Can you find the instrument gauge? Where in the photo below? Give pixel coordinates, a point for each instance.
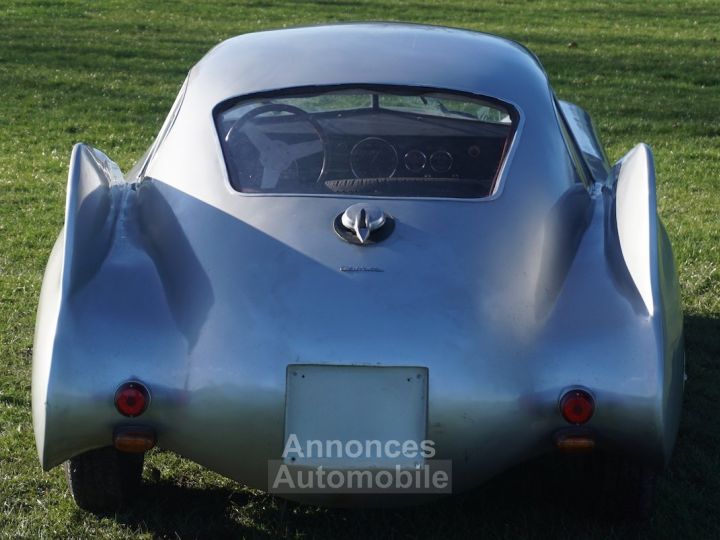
(415, 161)
(373, 157)
(441, 161)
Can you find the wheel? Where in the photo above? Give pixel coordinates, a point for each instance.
(105, 479)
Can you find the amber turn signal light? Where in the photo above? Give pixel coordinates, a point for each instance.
(131, 399)
(577, 406)
(134, 439)
(575, 443)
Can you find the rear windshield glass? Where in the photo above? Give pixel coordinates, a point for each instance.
(365, 142)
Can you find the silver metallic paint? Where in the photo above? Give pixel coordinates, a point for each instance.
(207, 295)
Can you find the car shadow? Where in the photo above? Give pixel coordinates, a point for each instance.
(168, 510)
(547, 491)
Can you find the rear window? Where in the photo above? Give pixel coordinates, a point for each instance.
(368, 142)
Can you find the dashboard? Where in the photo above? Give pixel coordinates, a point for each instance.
(372, 156)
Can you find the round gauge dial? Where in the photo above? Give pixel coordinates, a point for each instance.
(373, 158)
(415, 161)
(441, 161)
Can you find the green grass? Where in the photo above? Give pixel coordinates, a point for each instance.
(106, 73)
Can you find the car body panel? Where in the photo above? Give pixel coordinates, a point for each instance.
(207, 295)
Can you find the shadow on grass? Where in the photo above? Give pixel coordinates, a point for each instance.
(166, 509)
(543, 498)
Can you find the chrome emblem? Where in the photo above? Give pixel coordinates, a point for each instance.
(374, 269)
(363, 224)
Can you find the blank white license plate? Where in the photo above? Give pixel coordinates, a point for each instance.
(334, 412)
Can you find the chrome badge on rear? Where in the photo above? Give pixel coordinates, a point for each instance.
(363, 224)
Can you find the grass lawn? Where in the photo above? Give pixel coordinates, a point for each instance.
(107, 72)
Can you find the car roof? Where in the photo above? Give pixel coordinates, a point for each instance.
(370, 54)
(364, 54)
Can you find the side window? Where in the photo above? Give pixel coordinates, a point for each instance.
(581, 167)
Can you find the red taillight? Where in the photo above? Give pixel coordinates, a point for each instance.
(577, 406)
(131, 399)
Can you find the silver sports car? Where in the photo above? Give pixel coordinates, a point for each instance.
(380, 249)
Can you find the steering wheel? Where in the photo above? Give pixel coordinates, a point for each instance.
(274, 156)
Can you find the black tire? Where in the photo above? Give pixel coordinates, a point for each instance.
(104, 480)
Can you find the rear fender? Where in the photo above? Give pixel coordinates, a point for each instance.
(647, 256)
(95, 191)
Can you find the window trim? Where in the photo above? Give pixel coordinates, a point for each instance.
(576, 156)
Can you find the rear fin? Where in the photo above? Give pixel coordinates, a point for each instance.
(90, 214)
(637, 221)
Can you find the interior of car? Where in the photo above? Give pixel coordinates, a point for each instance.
(404, 143)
